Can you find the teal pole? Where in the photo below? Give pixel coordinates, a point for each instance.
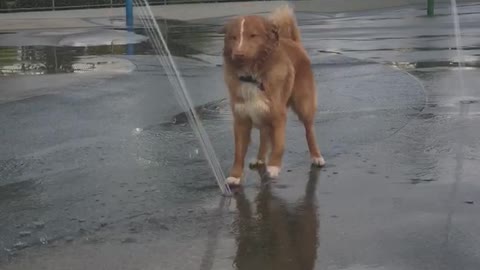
(129, 20)
(430, 8)
(129, 12)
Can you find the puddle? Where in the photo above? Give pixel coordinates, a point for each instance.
(434, 65)
(40, 60)
(470, 101)
(403, 39)
(213, 110)
(81, 50)
(153, 142)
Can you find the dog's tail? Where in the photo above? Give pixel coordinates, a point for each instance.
(284, 18)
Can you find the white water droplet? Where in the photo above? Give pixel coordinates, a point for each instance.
(137, 131)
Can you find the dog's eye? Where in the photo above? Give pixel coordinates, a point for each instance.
(233, 37)
(253, 35)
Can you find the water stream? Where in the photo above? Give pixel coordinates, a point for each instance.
(181, 93)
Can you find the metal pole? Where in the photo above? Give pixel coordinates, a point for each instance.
(430, 8)
(53, 4)
(56, 59)
(129, 21)
(129, 13)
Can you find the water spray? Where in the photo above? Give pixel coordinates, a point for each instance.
(180, 90)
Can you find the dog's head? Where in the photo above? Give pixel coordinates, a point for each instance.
(249, 39)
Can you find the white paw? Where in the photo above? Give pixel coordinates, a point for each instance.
(233, 181)
(318, 161)
(256, 162)
(273, 171)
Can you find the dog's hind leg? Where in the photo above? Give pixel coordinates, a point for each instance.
(303, 102)
(317, 158)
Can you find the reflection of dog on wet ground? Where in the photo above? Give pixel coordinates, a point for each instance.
(268, 70)
(277, 236)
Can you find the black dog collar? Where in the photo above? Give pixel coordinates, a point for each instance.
(250, 79)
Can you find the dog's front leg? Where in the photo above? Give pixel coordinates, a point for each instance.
(263, 148)
(278, 144)
(242, 128)
(279, 91)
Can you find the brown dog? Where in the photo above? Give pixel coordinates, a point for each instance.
(267, 70)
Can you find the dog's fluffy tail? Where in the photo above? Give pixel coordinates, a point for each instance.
(284, 18)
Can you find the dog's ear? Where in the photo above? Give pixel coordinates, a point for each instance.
(222, 29)
(272, 31)
(225, 28)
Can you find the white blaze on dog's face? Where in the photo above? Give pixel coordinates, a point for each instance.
(246, 38)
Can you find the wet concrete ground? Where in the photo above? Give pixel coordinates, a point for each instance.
(96, 175)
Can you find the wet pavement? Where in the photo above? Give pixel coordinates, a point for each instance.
(99, 169)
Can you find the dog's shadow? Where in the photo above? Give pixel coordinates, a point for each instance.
(271, 234)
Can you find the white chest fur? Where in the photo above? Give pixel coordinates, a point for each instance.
(254, 105)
